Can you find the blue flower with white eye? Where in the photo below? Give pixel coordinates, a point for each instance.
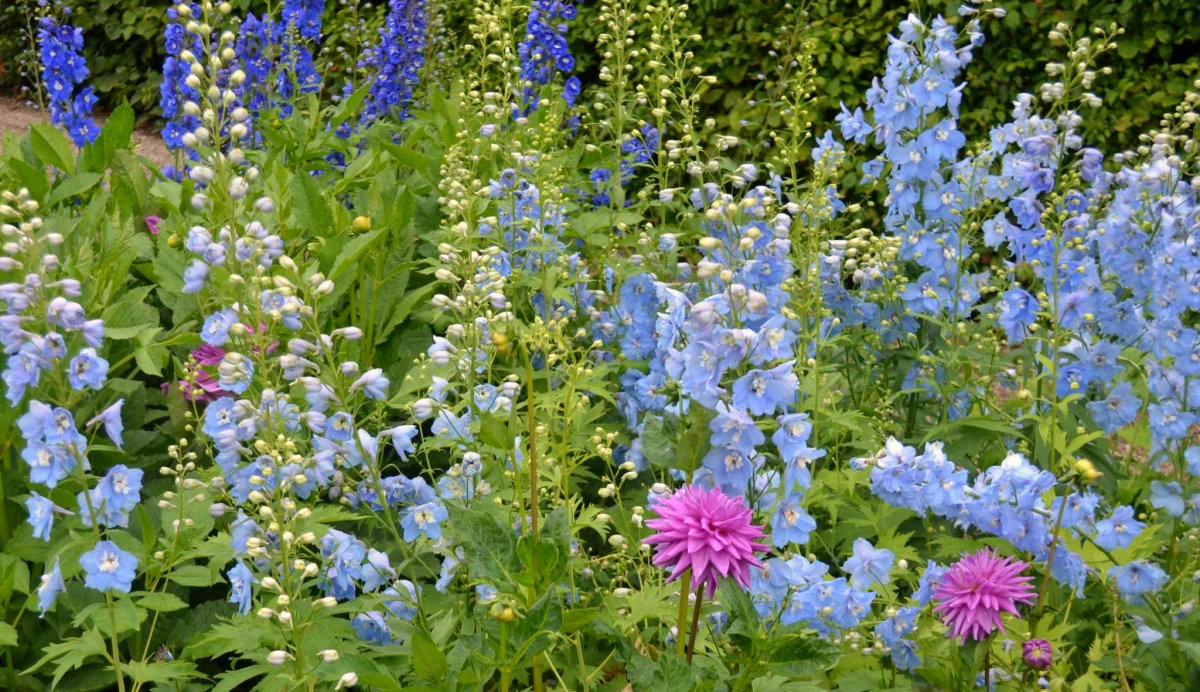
(1119, 530)
(732, 427)
(241, 587)
(790, 523)
(451, 427)
(1167, 497)
(1137, 578)
(219, 417)
(423, 520)
(730, 469)
(106, 567)
(868, 564)
(215, 331)
(52, 585)
(1168, 421)
(763, 392)
(111, 419)
(41, 515)
(121, 487)
(340, 427)
(1118, 409)
(48, 464)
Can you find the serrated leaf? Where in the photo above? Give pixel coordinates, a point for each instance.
(69, 654)
(160, 601)
(800, 656)
(353, 251)
(72, 187)
(193, 575)
(309, 205)
(52, 147)
(429, 663)
(489, 545)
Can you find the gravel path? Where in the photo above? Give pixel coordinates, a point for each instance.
(16, 116)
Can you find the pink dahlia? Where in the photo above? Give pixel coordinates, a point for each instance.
(1038, 654)
(707, 532)
(977, 589)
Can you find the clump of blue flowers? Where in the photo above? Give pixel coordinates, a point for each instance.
(64, 72)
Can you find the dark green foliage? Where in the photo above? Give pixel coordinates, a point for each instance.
(1157, 53)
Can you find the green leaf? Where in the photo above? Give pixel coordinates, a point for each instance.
(52, 147)
(745, 624)
(658, 440)
(72, 187)
(8, 635)
(241, 634)
(193, 575)
(800, 656)
(353, 251)
(428, 661)
(161, 671)
(309, 205)
(574, 620)
(71, 653)
(489, 544)
(164, 602)
(531, 634)
(493, 431)
(35, 179)
(235, 679)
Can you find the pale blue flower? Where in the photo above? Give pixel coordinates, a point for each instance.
(106, 567)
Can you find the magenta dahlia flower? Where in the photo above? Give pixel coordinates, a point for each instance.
(1038, 654)
(977, 589)
(708, 532)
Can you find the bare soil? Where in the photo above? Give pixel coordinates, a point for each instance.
(16, 116)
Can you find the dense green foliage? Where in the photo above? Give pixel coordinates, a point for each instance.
(1158, 53)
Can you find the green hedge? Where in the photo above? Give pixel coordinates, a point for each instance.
(1152, 68)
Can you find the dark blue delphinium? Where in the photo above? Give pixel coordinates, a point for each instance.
(64, 69)
(544, 51)
(397, 60)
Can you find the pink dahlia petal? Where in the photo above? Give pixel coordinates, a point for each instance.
(977, 589)
(707, 531)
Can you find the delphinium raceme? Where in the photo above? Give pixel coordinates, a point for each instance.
(295, 422)
(64, 71)
(296, 73)
(544, 52)
(211, 122)
(395, 62)
(176, 90)
(54, 365)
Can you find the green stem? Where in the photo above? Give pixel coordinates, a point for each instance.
(685, 585)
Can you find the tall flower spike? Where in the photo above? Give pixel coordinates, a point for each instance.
(397, 60)
(708, 532)
(977, 589)
(63, 69)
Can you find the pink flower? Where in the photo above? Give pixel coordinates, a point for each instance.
(977, 589)
(152, 223)
(208, 355)
(707, 532)
(1038, 654)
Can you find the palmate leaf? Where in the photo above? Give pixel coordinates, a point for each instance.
(69, 654)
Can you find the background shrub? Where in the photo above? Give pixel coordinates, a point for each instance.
(1158, 52)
